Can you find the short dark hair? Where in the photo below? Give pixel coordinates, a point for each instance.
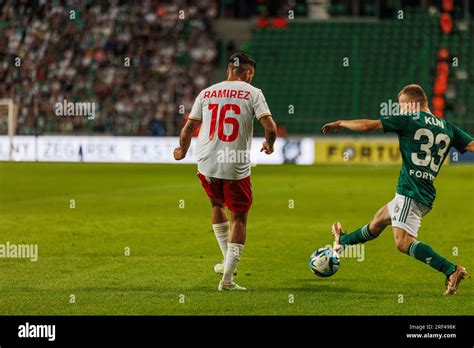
(241, 61)
(415, 93)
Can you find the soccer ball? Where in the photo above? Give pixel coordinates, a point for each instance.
(324, 262)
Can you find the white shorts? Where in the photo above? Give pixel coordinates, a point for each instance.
(406, 213)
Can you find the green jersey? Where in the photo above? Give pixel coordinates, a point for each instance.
(425, 141)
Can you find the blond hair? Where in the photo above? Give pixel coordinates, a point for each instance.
(414, 93)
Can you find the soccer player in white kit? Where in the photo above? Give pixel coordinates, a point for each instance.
(225, 112)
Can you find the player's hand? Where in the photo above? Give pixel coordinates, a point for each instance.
(179, 153)
(266, 148)
(336, 126)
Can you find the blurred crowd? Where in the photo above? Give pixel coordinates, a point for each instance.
(141, 62)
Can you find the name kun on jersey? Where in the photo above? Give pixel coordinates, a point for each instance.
(227, 93)
(434, 121)
(37, 331)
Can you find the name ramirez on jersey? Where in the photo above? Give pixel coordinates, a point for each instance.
(227, 93)
(226, 111)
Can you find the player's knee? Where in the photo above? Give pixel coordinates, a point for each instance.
(217, 203)
(239, 217)
(402, 244)
(380, 221)
(376, 228)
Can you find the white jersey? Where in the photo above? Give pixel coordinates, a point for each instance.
(226, 110)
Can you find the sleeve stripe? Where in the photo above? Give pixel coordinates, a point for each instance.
(262, 115)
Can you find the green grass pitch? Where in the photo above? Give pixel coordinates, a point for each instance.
(173, 250)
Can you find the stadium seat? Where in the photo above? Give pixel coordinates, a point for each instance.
(306, 62)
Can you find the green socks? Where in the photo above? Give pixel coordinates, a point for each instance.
(418, 250)
(426, 254)
(360, 235)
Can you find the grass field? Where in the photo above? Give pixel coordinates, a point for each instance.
(173, 249)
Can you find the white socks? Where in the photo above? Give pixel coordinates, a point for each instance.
(230, 251)
(222, 235)
(232, 258)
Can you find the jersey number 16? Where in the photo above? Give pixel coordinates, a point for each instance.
(223, 120)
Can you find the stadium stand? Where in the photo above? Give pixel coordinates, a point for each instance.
(84, 59)
(301, 68)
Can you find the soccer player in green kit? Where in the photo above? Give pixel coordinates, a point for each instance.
(425, 141)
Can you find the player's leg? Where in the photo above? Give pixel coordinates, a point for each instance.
(406, 223)
(423, 252)
(395, 209)
(239, 227)
(220, 224)
(221, 228)
(238, 196)
(402, 239)
(219, 220)
(363, 234)
(235, 248)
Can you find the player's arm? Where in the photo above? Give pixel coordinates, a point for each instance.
(470, 146)
(462, 140)
(270, 133)
(185, 138)
(353, 125)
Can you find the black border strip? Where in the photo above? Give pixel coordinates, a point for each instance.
(242, 329)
